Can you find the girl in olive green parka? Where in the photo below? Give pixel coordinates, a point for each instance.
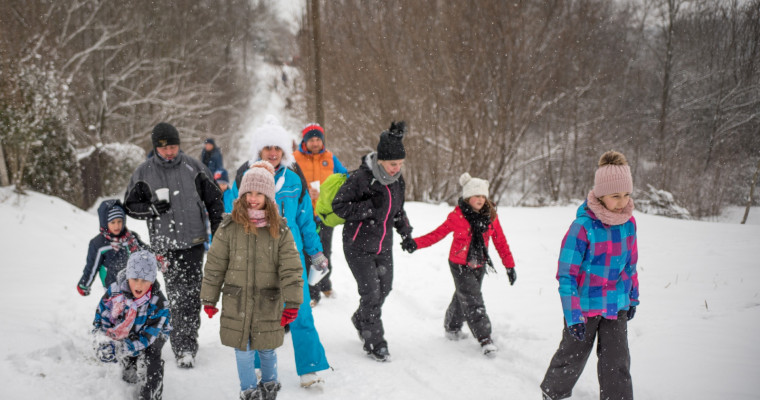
(253, 262)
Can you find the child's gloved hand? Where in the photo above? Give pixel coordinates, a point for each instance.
(578, 331)
(210, 310)
(319, 261)
(288, 315)
(631, 312)
(512, 275)
(408, 244)
(106, 352)
(83, 290)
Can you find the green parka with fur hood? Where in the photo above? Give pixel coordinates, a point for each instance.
(258, 276)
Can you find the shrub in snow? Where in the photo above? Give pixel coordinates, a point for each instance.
(660, 202)
(106, 170)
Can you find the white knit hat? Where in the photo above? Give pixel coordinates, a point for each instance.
(272, 133)
(473, 186)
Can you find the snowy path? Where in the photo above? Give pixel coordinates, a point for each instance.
(694, 336)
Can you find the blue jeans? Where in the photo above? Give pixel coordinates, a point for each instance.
(247, 370)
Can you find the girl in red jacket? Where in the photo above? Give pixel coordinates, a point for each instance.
(473, 222)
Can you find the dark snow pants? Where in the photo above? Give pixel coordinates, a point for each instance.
(183, 287)
(147, 369)
(613, 367)
(467, 303)
(374, 280)
(325, 236)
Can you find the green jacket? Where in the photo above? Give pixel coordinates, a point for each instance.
(327, 191)
(256, 275)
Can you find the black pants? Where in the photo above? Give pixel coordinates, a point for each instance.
(374, 280)
(183, 287)
(467, 303)
(324, 285)
(147, 369)
(613, 367)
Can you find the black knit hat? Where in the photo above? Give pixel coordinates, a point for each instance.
(164, 134)
(391, 146)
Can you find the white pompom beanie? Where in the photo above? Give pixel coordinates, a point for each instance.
(473, 186)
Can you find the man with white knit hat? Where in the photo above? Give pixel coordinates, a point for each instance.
(271, 142)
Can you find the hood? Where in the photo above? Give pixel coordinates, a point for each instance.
(272, 134)
(106, 206)
(585, 211)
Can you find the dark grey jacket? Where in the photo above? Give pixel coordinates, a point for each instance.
(192, 192)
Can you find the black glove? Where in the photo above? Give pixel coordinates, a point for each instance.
(408, 244)
(578, 331)
(512, 275)
(631, 312)
(161, 206)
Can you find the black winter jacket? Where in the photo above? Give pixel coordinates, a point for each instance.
(100, 252)
(371, 209)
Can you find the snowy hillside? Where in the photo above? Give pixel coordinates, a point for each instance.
(694, 336)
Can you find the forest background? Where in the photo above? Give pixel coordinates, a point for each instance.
(526, 94)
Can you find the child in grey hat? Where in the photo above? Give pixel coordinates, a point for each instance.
(132, 324)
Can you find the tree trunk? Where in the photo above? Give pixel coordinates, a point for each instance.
(4, 180)
(751, 192)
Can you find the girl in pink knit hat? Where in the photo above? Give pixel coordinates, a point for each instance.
(253, 264)
(598, 286)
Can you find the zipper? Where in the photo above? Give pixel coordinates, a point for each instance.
(385, 222)
(357, 231)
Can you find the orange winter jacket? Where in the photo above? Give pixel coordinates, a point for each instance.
(317, 167)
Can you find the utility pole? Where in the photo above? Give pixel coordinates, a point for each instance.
(319, 107)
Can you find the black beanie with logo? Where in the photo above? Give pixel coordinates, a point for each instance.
(164, 134)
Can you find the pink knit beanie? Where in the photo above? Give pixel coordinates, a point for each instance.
(258, 178)
(613, 175)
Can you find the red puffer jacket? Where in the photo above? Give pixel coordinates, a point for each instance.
(457, 223)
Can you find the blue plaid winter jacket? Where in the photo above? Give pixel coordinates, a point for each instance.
(597, 268)
(152, 321)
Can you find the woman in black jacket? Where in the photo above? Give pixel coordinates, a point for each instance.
(372, 202)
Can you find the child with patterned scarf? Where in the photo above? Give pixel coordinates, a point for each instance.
(132, 325)
(110, 249)
(474, 221)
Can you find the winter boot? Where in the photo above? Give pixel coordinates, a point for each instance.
(310, 380)
(379, 353)
(455, 335)
(186, 361)
(489, 349)
(269, 390)
(251, 394)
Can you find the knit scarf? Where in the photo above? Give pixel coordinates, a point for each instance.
(477, 255)
(378, 171)
(258, 217)
(124, 313)
(606, 216)
(126, 240)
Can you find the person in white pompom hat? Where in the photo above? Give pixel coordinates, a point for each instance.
(474, 221)
(273, 143)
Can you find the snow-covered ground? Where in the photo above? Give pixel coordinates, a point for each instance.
(694, 336)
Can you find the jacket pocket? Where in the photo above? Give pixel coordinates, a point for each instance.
(232, 301)
(270, 304)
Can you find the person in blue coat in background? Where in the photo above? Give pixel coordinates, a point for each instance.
(223, 181)
(272, 143)
(211, 156)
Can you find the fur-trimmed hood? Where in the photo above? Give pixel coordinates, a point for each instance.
(272, 133)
